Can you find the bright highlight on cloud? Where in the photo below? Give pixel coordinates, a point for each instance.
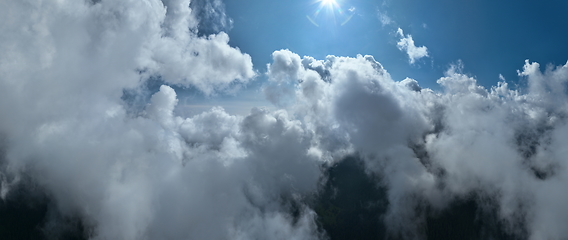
(406, 44)
(124, 173)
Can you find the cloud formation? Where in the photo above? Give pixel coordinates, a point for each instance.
(151, 174)
(406, 44)
(434, 148)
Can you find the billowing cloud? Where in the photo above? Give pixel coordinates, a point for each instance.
(406, 44)
(152, 175)
(66, 131)
(435, 148)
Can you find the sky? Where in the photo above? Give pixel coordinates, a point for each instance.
(211, 119)
(490, 38)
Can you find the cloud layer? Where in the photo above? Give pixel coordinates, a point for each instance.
(64, 66)
(434, 148)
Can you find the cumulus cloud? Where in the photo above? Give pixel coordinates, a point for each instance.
(406, 44)
(64, 67)
(434, 148)
(153, 175)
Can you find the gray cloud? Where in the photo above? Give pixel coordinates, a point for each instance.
(211, 15)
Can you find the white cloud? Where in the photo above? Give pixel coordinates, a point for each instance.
(406, 44)
(157, 175)
(384, 18)
(63, 68)
(486, 142)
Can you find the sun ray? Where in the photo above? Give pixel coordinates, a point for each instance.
(332, 11)
(328, 2)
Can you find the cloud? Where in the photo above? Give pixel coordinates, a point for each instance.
(406, 44)
(64, 68)
(152, 174)
(435, 148)
(384, 18)
(211, 15)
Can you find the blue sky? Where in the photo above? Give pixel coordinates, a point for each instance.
(489, 37)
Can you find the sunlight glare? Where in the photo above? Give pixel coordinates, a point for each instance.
(328, 2)
(332, 13)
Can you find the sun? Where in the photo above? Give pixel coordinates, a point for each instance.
(328, 2)
(332, 13)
